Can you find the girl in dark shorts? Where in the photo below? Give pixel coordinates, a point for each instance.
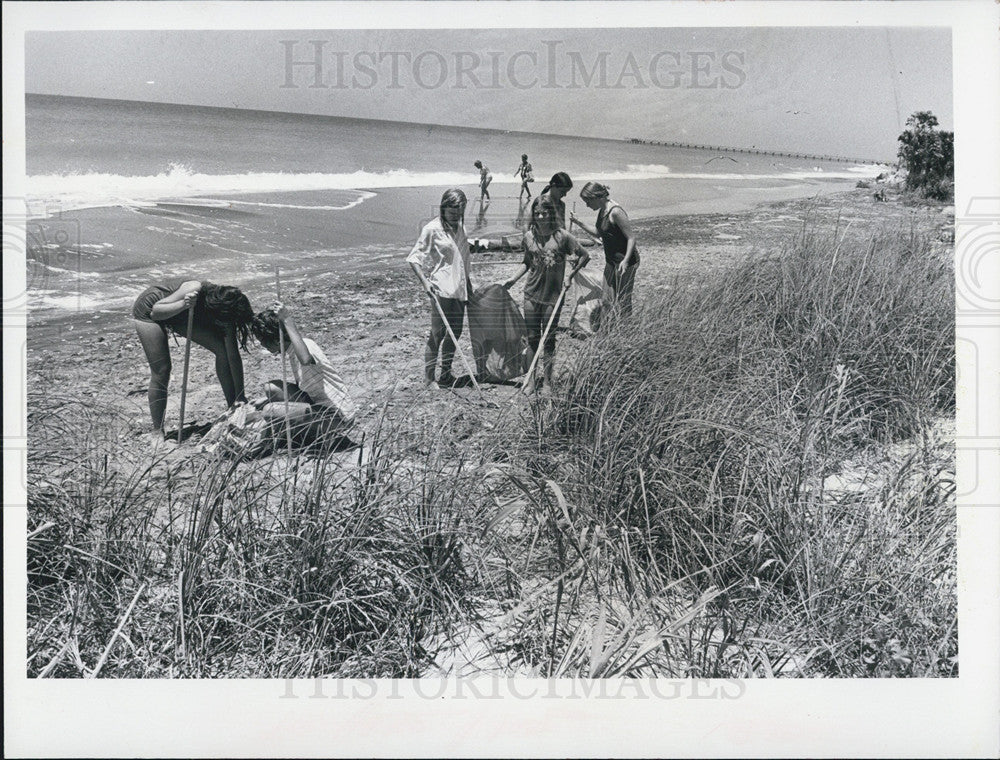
(222, 319)
(546, 248)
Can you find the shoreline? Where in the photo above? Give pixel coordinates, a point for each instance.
(372, 324)
(87, 419)
(114, 251)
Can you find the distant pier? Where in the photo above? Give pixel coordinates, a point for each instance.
(758, 152)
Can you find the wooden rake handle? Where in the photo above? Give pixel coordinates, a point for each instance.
(187, 367)
(447, 326)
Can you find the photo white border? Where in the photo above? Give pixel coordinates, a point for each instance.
(932, 718)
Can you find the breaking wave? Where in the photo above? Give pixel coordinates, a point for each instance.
(180, 185)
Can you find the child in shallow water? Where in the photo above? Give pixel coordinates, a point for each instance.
(484, 180)
(525, 173)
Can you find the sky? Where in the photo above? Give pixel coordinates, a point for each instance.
(833, 91)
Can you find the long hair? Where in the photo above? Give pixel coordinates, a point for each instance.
(453, 198)
(226, 305)
(267, 327)
(559, 179)
(595, 191)
(543, 205)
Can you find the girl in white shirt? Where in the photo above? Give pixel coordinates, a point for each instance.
(317, 403)
(441, 257)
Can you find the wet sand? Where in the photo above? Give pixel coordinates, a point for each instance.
(372, 323)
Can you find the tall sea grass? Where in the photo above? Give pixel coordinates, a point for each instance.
(705, 431)
(752, 477)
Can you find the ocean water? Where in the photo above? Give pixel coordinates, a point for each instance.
(121, 193)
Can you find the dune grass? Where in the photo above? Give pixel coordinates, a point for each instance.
(705, 434)
(751, 478)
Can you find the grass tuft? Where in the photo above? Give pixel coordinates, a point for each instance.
(751, 478)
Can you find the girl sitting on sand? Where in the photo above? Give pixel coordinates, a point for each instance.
(440, 257)
(318, 403)
(620, 253)
(524, 172)
(484, 180)
(546, 248)
(222, 317)
(558, 187)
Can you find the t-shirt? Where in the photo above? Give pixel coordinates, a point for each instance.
(443, 257)
(321, 382)
(546, 264)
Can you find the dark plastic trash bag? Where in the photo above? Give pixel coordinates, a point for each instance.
(499, 336)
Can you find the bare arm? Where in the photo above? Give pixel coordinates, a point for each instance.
(571, 247)
(421, 276)
(510, 283)
(582, 257)
(235, 362)
(621, 219)
(298, 345)
(592, 231)
(177, 302)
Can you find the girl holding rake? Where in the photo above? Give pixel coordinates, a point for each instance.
(440, 257)
(620, 253)
(221, 323)
(546, 248)
(317, 404)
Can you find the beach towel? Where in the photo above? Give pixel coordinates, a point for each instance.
(584, 298)
(240, 433)
(499, 336)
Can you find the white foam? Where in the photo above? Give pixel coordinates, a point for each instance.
(34, 264)
(653, 169)
(46, 300)
(181, 186)
(362, 197)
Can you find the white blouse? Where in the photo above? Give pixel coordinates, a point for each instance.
(443, 257)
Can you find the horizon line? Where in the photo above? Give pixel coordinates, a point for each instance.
(647, 141)
(324, 116)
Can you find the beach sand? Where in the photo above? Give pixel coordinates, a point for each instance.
(372, 323)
